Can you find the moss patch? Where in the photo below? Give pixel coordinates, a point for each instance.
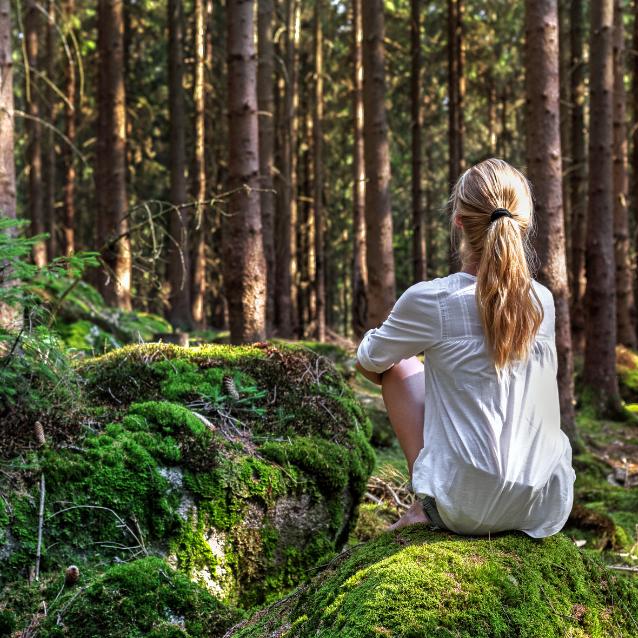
(143, 598)
(423, 583)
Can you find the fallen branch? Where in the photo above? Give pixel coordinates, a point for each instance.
(38, 551)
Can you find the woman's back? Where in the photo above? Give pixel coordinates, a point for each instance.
(494, 456)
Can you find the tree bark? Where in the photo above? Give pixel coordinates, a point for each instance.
(266, 101)
(563, 57)
(634, 135)
(198, 284)
(599, 374)
(244, 261)
(380, 257)
(625, 311)
(418, 229)
(110, 170)
(286, 222)
(545, 172)
(10, 316)
(68, 198)
(32, 23)
(179, 273)
(455, 104)
(578, 175)
(359, 265)
(49, 212)
(317, 129)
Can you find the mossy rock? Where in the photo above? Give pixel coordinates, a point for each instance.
(417, 583)
(145, 597)
(242, 466)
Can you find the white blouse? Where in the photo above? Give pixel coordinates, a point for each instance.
(494, 457)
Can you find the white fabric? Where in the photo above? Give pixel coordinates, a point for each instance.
(494, 456)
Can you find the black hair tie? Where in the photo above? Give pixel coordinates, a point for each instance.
(500, 212)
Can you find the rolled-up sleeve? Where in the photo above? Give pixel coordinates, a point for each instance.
(412, 326)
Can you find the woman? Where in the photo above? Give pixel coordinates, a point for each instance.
(479, 422)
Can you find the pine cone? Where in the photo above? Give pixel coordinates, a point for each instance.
(71, 575)
(230, 387)
(39, 434)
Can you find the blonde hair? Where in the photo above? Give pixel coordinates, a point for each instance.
(501, 249)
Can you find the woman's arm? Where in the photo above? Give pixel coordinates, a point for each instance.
(375, 377)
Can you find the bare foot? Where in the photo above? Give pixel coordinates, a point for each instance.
(414, 515)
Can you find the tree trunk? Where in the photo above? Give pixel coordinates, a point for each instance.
(10, 316)
(634, 135)
(599, 374)
(179, 272)
(380, 258)
(50, 173)
(359, 265)
(563, 57)
(198, 284)
(243, 250)
(32, 22)
(578, 175)
(286, 222)
(625, 311)
(545, 173)
(418, 228)
(266, 100)
(320, 287)
(455, 104)
(68, 215)
(110, 170)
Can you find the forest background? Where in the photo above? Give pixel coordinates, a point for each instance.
(274, 173)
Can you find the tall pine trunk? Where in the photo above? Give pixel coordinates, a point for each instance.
(243, 251)
(10, 316)
(202, 210)
(545, 172)
(625, 317)
(179, 273)
(455, 103)
(634, 129)
(319, 274)
(599, 373)
(32, 24)
(419, 268)
(266, 101)
(49, 212)
(359, 265)
(286, 220)
(578, 175)
(68, 197)
(110, 169)
(379, 254)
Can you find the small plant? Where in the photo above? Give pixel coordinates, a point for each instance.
(34, 369)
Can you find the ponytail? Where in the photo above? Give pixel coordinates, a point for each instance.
(510, 310)
(509, 307)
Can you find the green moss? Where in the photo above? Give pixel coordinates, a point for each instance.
(423, 583)
(202, 455)
(328, 462)
(143, 598)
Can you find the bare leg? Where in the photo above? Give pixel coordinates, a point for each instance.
(403, 391)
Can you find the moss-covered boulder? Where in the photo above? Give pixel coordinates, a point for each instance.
(417, 583)
(242, 466)
(144, 597)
